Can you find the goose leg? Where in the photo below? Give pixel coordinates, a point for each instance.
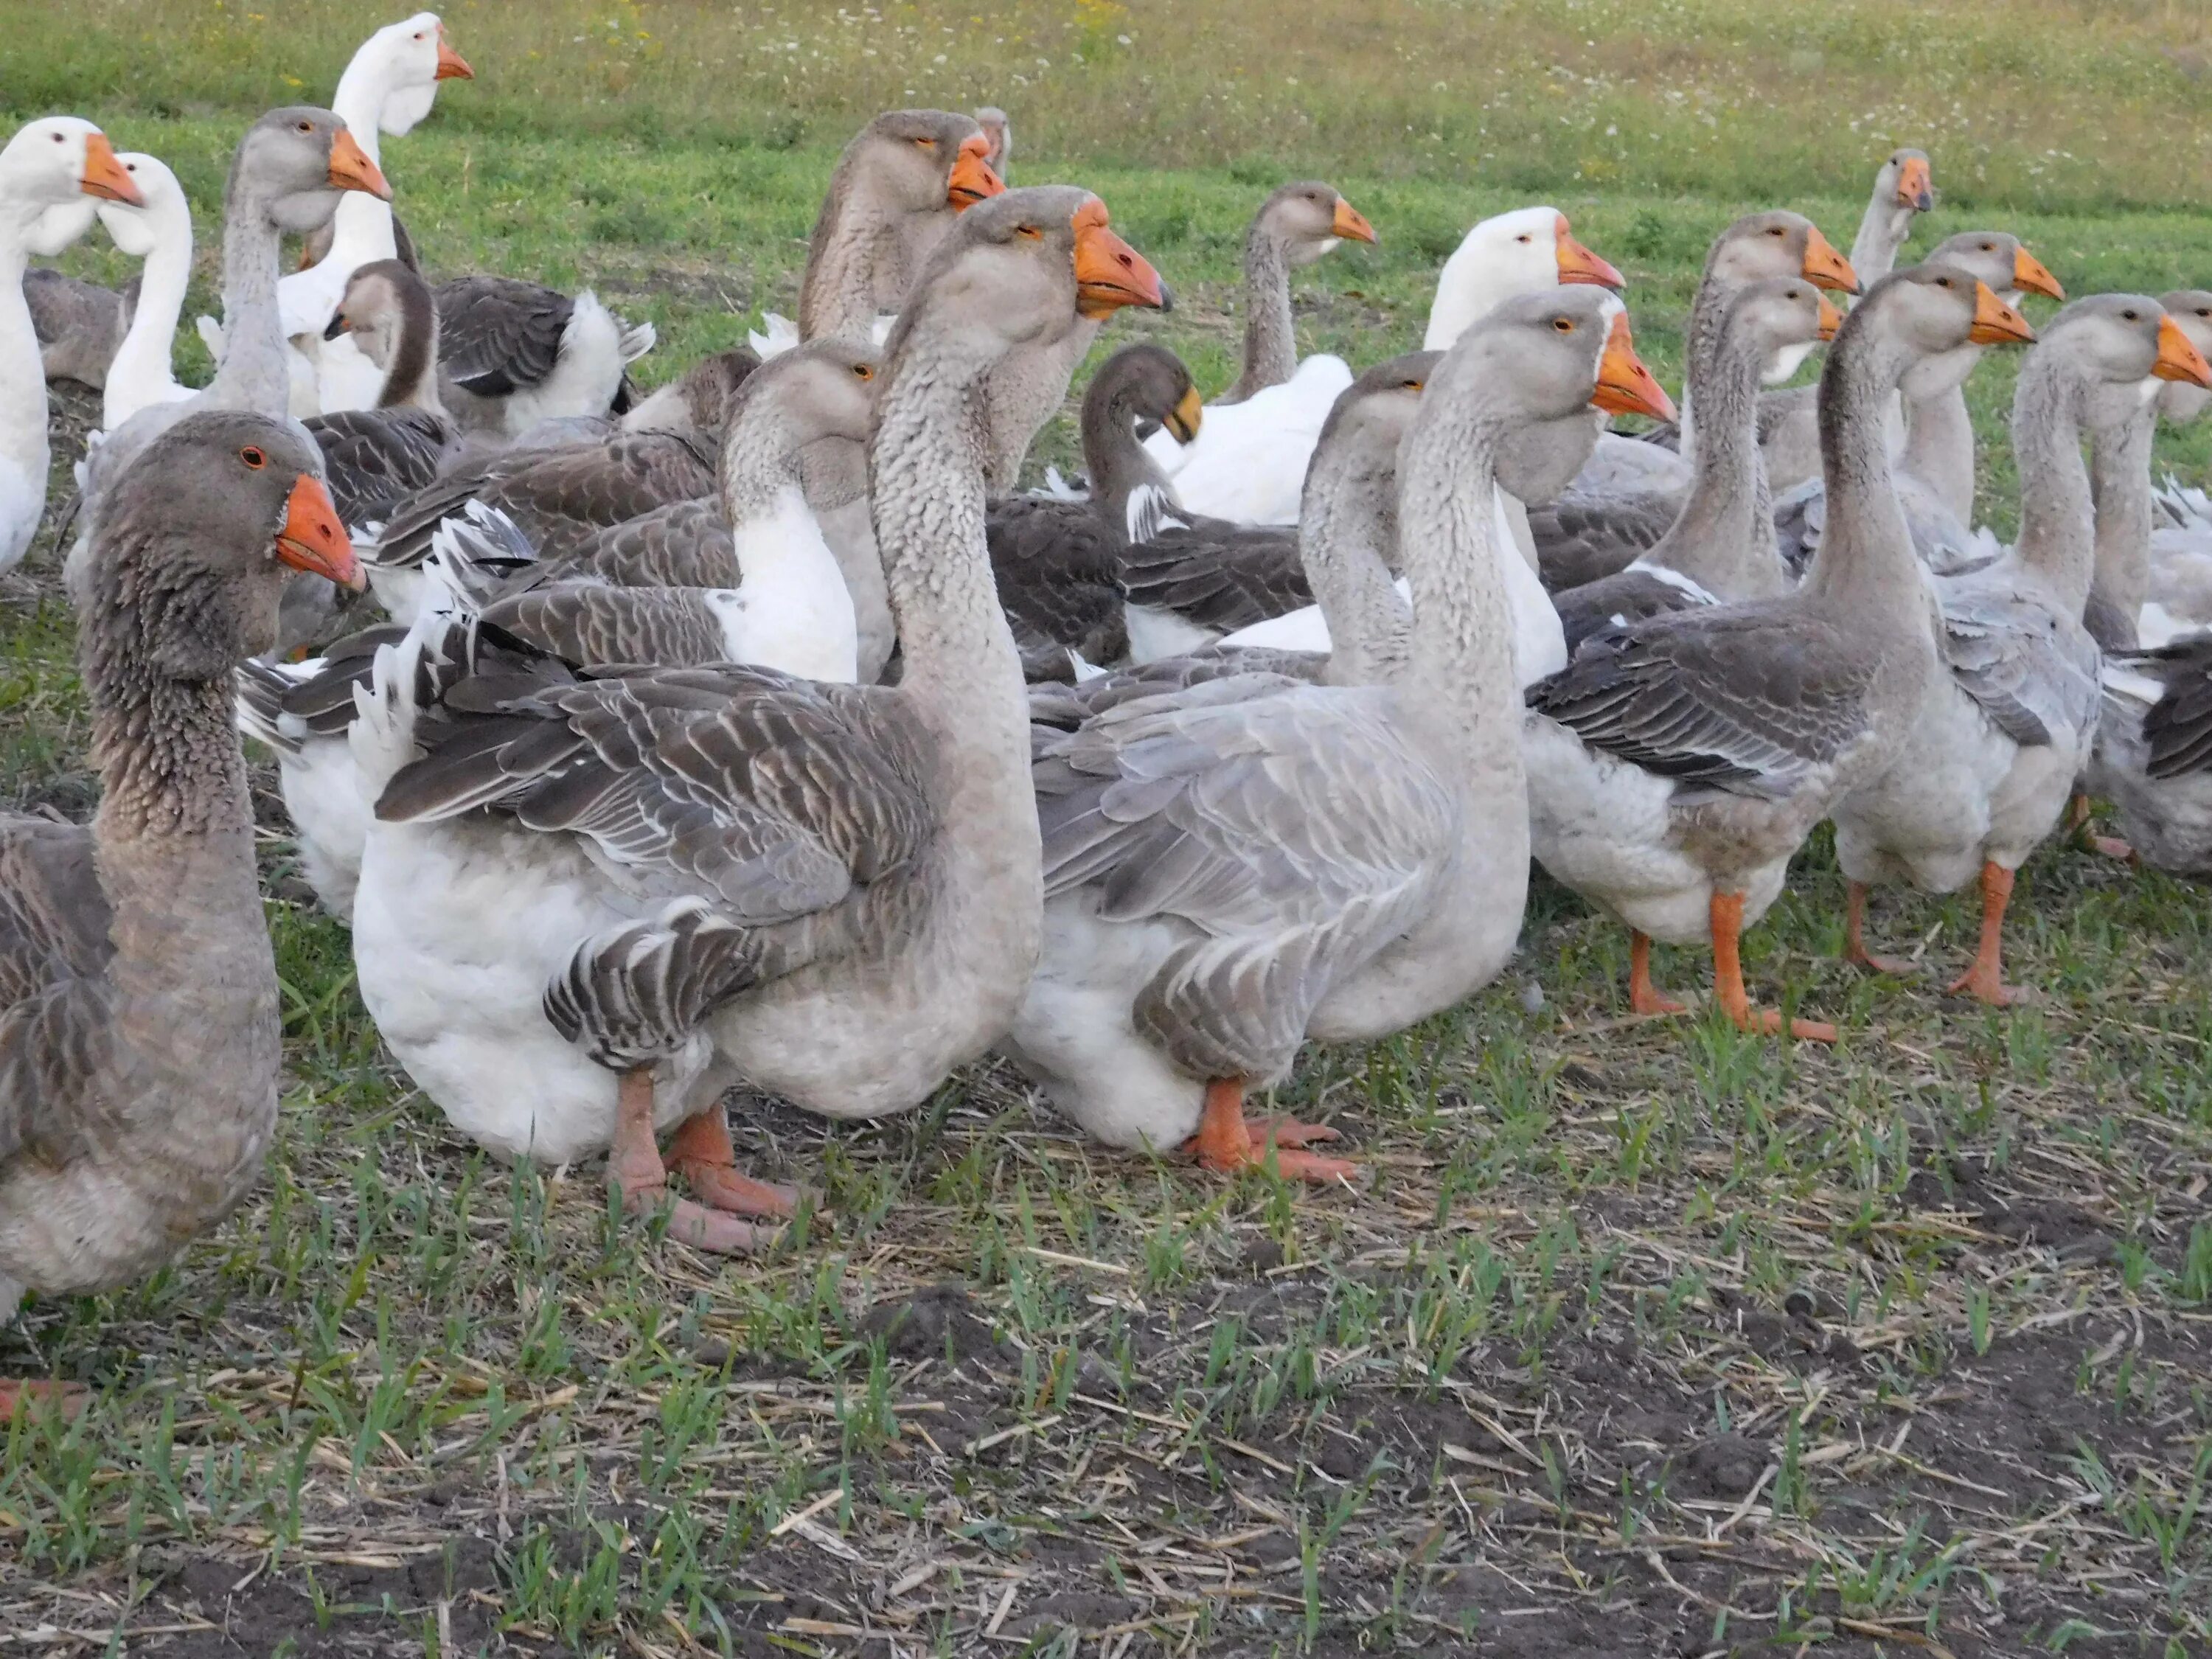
(1855, 949)
(634, 1166)
(1727, 916)
(24, 1398)
(1985, 979)
(1224, 1141)
(2110, 846)
(1644, 997)
(702, 1153)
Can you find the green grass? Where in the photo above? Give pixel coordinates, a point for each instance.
(1647, 1338)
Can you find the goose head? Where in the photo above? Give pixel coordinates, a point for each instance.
(2128, 340)
(824, 389)
(1998, 259)
(2191, 311)
(1932, 308)
(397, 69)
(1561, 359)
(135, 228)
(1307, 219)
(1528, 251)
(923, 160)
(297, 161)
(1784, 313)
(54, 173)
(997, 136)
(1148, 386)
(1905, 181)
(381, 298)
(1760, 246)
(201, 534)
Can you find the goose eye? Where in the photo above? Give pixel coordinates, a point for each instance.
(306, 126)
(1524, 237)
(1565, 324)
(925, 143)
(2130, 316)
(254, 457)
(1942, 282)
(1029, 231)
(59, 139)
(1412, 386)
(863, 371)
(418, 34)
(1774, 230)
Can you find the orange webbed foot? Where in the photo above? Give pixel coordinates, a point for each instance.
(1225, 1143)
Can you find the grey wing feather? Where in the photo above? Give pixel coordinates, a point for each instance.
(1219, 575)
(1058, 566)
(1288, 823)
(592, 624)
(54, 948)
(1721, 698)
(2034, 675)
(375, 457)
(1581, 538)
(497, 335)
(2179, 727)
(686, 543)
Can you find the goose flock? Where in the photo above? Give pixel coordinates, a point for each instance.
(759, 731)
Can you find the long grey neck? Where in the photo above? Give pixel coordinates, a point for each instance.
(852, 248)
(1461, 665)
(1119, 464)
(193, 985)
(411, 380)
(1939, 447)
(2058, 539)
(1348, 539)
(2119, 485)
(1866, 570)
(1271, 347)
(1723, 538)
(760, 459)
(1882, 230)
(251, 374)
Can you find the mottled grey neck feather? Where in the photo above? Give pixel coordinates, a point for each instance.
(854, 262)
(1119, 464)
(192, 992)
(253, 374)
(759, 459)
(1271, 347)
(2056, 518)
(411, 379)
(1348, 540)
(1866, 568)
(1461, 655)
(2119, 484)
(1723, 538)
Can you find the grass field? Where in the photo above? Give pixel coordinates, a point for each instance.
(1645, 1339)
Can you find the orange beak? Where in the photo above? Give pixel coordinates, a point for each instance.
(1110, 273)
(972, 179)
(1831, 319)
(1996, 323)
(1825, 268)
(352, 169)
(1351, 223)
(105, 176)
(1578, 265)
(1915, 184)
(452, 66)
(314, 540)
(2031, 276)
(2178, 358)
(1624, 386)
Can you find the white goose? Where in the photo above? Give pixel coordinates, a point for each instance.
(49, 163)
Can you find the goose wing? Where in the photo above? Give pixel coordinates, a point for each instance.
(1058, 565)
(1582, 537)
(497, 335)
(686, 543)
(2178, 726)
(1220, 576)
(2033, 673)
(761, 801)
(1290, 824)
(1748, 699)
(376, 457)
(54, 1012)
